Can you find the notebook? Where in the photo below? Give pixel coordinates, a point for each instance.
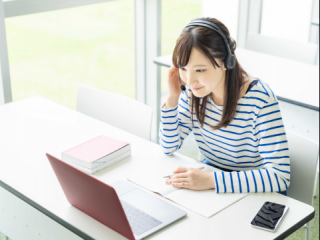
(96, 152)
(102, 166)
(148, 172)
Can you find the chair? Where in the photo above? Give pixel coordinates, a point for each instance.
(302, 121)
(117, 110)
(303, 166)
(298, 51)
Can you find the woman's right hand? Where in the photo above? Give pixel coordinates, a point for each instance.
(173, 83)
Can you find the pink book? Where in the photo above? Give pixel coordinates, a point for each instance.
(96, 151)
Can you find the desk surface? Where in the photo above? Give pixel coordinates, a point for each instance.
(29, 128)
(291, 81)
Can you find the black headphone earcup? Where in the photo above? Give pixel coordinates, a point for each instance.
(230, 62)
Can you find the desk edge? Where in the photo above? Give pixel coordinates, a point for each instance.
(298, 103)
(297, 226)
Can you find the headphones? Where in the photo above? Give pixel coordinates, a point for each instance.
(230, 60)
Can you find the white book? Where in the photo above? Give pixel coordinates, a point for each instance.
(149, 172)
(102, 166)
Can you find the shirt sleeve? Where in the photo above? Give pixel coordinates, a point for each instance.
(175, 124)
(274, 172)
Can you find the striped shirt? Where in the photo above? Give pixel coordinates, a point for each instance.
(254, 145)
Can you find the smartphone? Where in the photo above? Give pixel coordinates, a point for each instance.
(269, 216)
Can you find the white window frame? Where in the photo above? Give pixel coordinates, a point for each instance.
(148, 47)
(14, 8)
(5, 84)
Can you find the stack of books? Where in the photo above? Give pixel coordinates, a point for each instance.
(97, 154)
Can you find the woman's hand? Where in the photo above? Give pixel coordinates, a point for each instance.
(192, 178)
(174, 89)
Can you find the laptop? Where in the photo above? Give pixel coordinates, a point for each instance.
(121, 206)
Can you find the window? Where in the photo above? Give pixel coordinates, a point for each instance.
(175, 16)
(51, 53)
(289, 19)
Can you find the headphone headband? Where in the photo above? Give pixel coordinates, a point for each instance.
(230, 60)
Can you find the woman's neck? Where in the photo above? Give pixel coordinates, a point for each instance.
(219, 94)
(218, 100)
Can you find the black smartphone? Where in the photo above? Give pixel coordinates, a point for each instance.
(269, 216)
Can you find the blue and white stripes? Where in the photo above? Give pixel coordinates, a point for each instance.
(254, 143)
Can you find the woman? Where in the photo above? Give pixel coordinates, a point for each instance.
(235, 118)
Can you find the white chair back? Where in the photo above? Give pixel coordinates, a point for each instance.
(299, 51)
(117, 110)
(302, 121)
(303, 166)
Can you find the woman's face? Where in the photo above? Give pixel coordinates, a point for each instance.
(201, 76)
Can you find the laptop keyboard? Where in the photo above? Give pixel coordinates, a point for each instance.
(140, 222)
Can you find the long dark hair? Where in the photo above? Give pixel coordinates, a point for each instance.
(211, 44)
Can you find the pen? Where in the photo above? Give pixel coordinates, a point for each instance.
(174, 174)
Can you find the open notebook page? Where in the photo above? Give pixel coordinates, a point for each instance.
(149, 173)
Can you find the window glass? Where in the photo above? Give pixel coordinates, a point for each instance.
(52, 53)
(289, 19)
(175, 16)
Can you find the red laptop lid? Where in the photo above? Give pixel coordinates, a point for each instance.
(92, 197)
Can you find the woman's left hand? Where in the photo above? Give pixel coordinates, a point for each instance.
(192, 178)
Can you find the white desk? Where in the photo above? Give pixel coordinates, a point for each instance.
(33, 205)
(291, 81)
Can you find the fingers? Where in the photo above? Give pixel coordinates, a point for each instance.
(172, 66)
(177, 180)
(180, 175)
(173, 72)
(181, 185)
(182, 170)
